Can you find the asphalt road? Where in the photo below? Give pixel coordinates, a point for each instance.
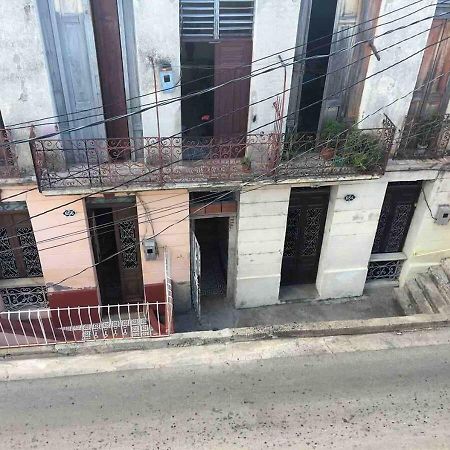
(389, 399)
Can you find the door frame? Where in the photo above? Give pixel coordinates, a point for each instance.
(116, 203)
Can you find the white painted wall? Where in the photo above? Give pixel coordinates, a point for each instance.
(348, 238)
(25, 91)
(399, 80)
(275, 29)
(427, 243)
(261, 231)
(158, 37)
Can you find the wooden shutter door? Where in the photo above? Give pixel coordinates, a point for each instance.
(432, 98)
(346, 16)
(230, 55)
(77, 61)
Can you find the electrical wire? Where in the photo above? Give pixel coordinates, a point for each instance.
(267, 98)
(263, 58)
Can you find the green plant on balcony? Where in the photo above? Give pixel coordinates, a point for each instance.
(331, 138)
(424, 131)
(246, 164)
(361, 151)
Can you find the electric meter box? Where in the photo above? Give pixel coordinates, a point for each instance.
(166, 77)
(150, 249)
(443, 215)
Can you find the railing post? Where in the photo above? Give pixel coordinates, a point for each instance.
(36, 161)
(389, 130)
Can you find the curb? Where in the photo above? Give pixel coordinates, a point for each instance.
(229, 335)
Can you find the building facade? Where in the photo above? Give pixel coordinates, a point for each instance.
(196, 129)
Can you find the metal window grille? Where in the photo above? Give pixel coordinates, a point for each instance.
(215, 19)
(19, 298)
(384, 270)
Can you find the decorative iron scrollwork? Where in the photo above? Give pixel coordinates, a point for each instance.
(127, 233)
(16, 299)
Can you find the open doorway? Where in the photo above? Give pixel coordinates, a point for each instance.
(115, 238)
(197, 59)
(212, 237)
(321, 26)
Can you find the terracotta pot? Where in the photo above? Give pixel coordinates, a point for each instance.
(327, 153)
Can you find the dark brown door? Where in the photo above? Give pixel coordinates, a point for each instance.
(127, 238)
(109, 56)
(231, 101)
(396, 215)
(304, 233)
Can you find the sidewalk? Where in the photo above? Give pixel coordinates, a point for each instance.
(217, 314)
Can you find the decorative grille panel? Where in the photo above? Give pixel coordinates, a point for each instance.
(8, 264)
(127, 234)
(29, 251)
(16, 299)
(215, 19)
(384, 270)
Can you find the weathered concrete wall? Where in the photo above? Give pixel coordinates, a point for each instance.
(261, 231)
(427, 243)
(275, 28)
(165, 208)
(348, 238)
(25, 90)
(401, 79)
(158, 37)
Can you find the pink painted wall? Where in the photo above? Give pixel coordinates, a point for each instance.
(165, 208)
(64, 260)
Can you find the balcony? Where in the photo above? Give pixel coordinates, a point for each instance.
(104, 163)
(8, 161)
(424, 139)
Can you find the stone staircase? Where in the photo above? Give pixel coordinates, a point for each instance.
(428, 293)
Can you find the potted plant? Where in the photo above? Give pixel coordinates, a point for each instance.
(331, 136)
(246, 164)
(362, 151)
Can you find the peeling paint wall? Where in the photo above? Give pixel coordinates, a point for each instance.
(275, 28)
(25, 91)
(158, 37)
(397, 81)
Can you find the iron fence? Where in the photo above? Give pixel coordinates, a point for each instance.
(85, 323)
(425, 139)
(8, 160)
(62, 163)
(384, 270)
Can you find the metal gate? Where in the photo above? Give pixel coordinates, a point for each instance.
(195, 276)
(304, 232)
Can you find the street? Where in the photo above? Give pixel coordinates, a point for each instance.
(391, 398)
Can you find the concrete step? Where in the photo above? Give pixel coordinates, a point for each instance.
(408, 307)
(432, 294)
(441, 281)
(446, 266)
(417, 296)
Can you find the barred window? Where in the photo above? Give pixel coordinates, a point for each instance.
(19, 257)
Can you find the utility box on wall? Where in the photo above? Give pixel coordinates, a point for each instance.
(443, 215)
(166, 77)
(150, 249)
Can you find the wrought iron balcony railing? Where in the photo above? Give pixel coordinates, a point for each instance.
(425, 139)
(8, 162)
(90, 163)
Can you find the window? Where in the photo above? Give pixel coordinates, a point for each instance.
(216, 18)
(19, 257)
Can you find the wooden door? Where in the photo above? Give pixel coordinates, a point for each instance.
(396, 215)
(231, 101)
(72, 50)
(432, 98)
(109, 56)
(304, 233)
(127, 241)
(346, 17)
